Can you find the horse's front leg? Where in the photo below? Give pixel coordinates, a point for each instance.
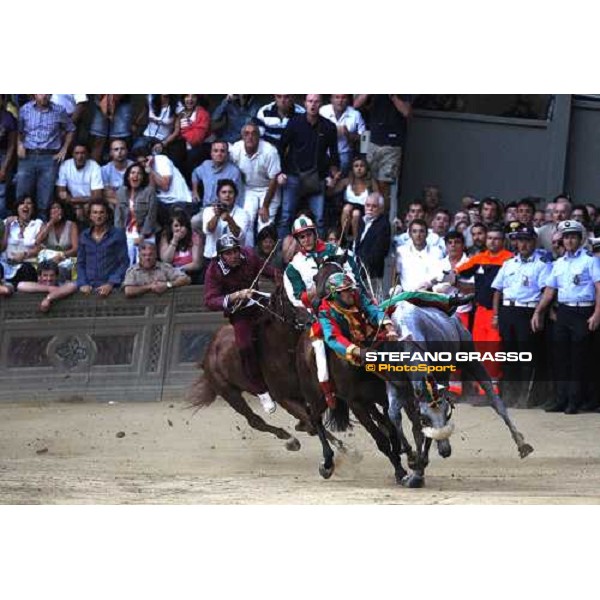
(395, 414)
(327, 467)
(478, 372)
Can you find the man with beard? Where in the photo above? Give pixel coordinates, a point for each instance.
(102, 257)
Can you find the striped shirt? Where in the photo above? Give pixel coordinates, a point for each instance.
(271, 124)
(42, 128)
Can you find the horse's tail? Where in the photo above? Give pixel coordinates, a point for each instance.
(338, 418)
(201, 393)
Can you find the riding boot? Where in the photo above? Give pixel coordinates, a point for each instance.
(328, 392)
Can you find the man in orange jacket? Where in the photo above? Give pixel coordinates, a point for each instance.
(485, 266)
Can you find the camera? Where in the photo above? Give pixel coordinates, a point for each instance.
(221, 207)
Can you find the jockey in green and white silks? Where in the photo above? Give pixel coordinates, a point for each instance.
(299, 285)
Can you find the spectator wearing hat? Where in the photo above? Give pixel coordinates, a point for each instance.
(575, 281)
(150, 274)
(485, 266)
(518, 289)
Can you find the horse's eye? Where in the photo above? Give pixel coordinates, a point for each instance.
(425, 421)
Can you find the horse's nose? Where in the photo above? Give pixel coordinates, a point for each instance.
(444, 448)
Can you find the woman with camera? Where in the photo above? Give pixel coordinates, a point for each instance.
(224, 217)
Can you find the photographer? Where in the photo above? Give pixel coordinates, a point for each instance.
(224, 217)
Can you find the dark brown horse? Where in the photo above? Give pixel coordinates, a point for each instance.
(360, 391)
(222, 374)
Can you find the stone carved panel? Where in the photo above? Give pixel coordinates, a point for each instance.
(113, 349)
(28, 351)
(71, 352)
(156, 336)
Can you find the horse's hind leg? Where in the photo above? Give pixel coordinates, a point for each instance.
(327, 467)
(478, 372)
(395, 416)
(385, 424)
(234, 398)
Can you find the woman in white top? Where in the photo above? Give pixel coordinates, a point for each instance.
(136, 208)
(162, 126)
(19, 248)
(356, 187)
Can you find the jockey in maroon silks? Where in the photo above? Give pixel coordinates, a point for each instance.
(228, 286)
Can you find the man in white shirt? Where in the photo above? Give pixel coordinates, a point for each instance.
(224, 217)
(79, 181)
(350, 126)
(171, 189)
(113, 172)
(416, 210)
(259, 163)
(418, 266)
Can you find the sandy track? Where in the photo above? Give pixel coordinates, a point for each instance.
(69, 453)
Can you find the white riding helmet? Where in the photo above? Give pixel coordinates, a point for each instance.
(302, 224)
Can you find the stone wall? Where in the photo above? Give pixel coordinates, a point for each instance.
(119, 349)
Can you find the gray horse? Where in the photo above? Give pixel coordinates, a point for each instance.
(430, 416)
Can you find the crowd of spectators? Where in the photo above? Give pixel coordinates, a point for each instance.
(142, 201)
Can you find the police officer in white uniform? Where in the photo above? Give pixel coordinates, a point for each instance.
(575, 279)
(518, 289)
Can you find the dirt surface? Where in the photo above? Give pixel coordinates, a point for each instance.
(160, 453)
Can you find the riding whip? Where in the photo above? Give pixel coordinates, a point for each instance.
(239, 302)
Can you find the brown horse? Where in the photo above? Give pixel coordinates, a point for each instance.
(360, 391)
(222, 374)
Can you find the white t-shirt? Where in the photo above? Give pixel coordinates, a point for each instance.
(241, 218)
(159, 126)
(454, 290)
(178, 190)
(417, 266)
(16, 243)
(351, 118)
(111, 176)
(259, 168)
(68, 101)
(80, 182)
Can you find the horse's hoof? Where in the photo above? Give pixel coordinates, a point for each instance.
(293, 445)
(413, 481)
(324, 472)
(525, 450)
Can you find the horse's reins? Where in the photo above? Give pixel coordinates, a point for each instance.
(251, 288)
